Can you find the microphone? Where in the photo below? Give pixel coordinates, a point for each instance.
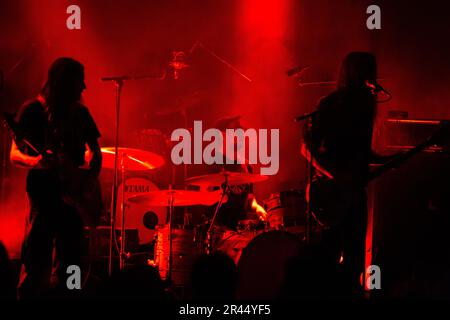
(297, 70)
(379, 88)
(306, 116)
(178, 63)
(376, 87)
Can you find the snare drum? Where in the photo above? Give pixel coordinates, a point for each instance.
(233, 243)
(249, 225)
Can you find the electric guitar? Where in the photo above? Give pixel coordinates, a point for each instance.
(325, 192)
(80, 188)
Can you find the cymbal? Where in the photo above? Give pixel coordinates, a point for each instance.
(135, 159)
(232, 178)
(180, 198)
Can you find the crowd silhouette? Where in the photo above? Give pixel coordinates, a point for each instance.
(311, 274)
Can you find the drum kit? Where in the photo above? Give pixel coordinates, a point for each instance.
(175, 248)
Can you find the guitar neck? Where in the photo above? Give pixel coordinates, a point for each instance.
(30, 145)
(18, 138)
(401, 158)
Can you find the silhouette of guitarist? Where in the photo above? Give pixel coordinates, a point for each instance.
(341, 136)
(53, 134)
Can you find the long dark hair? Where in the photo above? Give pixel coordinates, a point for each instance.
(356, 69)
(64, 84)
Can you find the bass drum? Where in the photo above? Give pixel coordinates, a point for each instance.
(144, 218)
(262, 265)
(233, 243)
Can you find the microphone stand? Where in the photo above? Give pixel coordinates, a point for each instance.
(170, 204)
(4, 140)
(229, 65)
(310, 118)
(118, 82)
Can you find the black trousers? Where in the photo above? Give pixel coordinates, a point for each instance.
(347, 238)
(53, 237)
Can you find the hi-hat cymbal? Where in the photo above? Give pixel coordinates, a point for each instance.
(231, 178)
(135, 159)
(179, 198)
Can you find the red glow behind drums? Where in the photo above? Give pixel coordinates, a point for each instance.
(152, 140)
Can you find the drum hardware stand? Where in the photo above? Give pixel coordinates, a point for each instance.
(118, 81)
(123, 254)
(186, 216)
(225, 188)
(170, 204)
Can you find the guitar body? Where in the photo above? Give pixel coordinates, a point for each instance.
(58, 177)
(330, 198)
(82, 190)
(326, 201)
